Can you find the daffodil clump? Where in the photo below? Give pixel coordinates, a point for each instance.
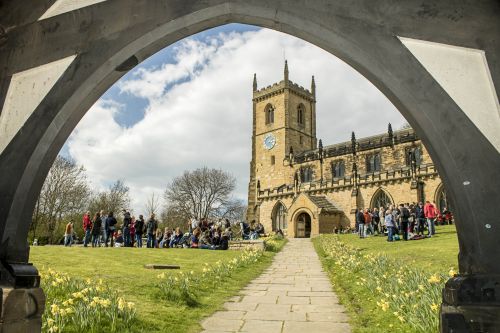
(75, 305)
(184, 287)
(274, 243)
(402, 289)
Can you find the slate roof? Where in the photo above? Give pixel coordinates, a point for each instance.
(323, 203)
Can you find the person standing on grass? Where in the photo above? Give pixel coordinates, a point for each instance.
(103, 229)
(151, 227)
(139, 230)
(376, 221)
(87, 227)
(360, 219)
(420, 217)
(96, 230)
(132, 231)
(126, 228)
(430, 215)
(68, 234)
(368, 222)
(110, 228)
(404, 217)
(389, 224)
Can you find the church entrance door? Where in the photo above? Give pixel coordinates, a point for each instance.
(303, 226)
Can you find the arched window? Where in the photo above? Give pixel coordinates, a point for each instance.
(381, 199)
(301, 110)
(415, 154)
(338, 169)
(279, 217)
(373, 162)
(269, 110)
(306, 175)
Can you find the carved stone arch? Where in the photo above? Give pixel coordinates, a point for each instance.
(377, 198)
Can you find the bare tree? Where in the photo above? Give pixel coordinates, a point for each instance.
(64, 193)
(113, 200)
(406, 125)
(153, 205)
(201, 192)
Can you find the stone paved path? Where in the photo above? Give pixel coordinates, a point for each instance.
(292, 295)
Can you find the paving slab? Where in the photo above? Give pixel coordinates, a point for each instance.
(293, 295)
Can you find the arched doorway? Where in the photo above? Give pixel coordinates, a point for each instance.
(303, 226)
(279, 217)
(381, 199)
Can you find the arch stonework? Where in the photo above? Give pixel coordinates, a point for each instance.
(395, 45)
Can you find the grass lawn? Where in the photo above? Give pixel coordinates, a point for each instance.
(436, 254)
(122, 269)
(357, 286)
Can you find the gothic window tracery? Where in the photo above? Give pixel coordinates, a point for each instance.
(338, 169)
(306, 174)
(373, 162)
(279, 217)
(381, 199)
(413, 153)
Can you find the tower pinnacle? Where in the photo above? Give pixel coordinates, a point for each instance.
(313, 86)
(254, 82)
(286, 71)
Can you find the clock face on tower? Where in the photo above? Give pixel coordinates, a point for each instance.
(269, 141)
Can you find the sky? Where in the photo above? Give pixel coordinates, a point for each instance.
(190, 105)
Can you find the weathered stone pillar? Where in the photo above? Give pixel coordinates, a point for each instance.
(23, 301)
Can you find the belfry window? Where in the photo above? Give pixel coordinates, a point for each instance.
(373, 162)
(273, 160)
(269, 110)
(338, 169)
(306, 175)
(301, 110)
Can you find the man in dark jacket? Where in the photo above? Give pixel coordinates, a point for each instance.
(151, 227)
(110, 228)
(139, 230)
(420, 216)
(404, 216)
(127, 220)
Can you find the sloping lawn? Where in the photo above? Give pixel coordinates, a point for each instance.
(390, 286)
(122, 269)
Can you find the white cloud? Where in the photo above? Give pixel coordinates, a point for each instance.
(200, 110)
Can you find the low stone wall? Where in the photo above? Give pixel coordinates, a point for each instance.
(247, 245)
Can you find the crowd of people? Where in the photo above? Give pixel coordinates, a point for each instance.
(103, 230)
(411, 221)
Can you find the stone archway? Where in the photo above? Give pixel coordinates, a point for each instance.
(422, 55)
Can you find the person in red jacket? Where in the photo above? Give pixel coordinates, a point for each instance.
(430, 215)
(87, 228)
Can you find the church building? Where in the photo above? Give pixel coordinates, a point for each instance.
(305, 188)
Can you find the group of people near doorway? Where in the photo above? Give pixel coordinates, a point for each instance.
(102, 230)
(408, 220)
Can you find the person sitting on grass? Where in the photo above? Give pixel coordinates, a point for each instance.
(205, 241)
(176, 237)
(119, 239)
(224, 242)
(195, 238)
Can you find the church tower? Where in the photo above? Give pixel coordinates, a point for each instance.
(284, 122)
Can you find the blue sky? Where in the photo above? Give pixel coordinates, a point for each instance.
(189, 106)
